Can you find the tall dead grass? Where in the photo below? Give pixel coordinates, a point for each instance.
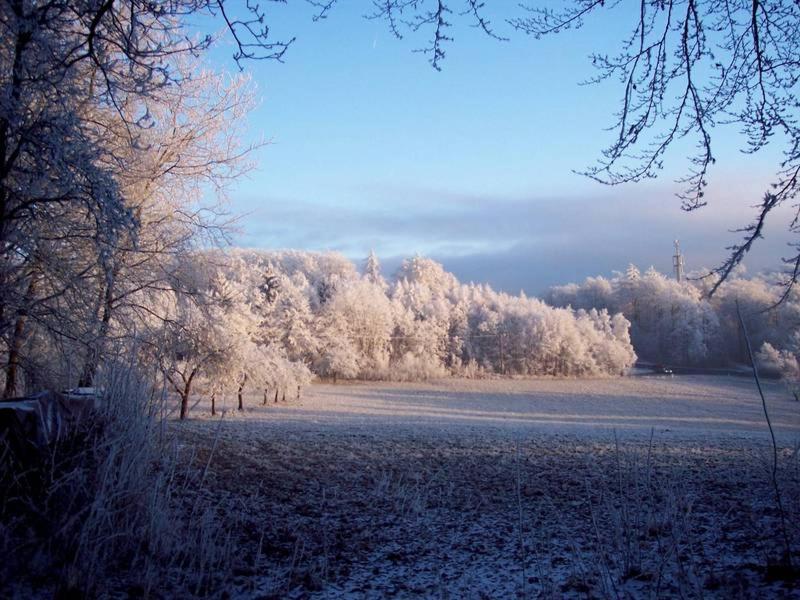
(112, 507)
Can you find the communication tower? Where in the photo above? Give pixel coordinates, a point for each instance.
(677, 262)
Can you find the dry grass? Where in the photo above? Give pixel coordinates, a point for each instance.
(480, 514)
(291, 502)
(106, 509)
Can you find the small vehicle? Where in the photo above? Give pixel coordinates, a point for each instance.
(662, 370)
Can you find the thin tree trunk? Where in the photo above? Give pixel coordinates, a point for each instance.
(213, 403)
(241, 388)
(93, 357)
(184, 403)
(284, 395)
(298, 392)
(265, 397)
(187, 390)
(12, 368)
(95, 352)
(276, 395)
(15, 345)
(787, 545)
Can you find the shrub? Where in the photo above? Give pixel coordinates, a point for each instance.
(94, 512)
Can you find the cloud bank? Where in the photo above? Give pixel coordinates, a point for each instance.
(520, 243)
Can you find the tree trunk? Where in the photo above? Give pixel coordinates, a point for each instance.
(12, 369)
(184, 403)
(187, 390)
(276, 395)
(15, 345)
(265, 397)
(241, 388)
(284, 395)
(213, 403)
(95, 352)
(298, 392)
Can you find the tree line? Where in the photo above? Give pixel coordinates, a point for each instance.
(263, 323)
(679, 323)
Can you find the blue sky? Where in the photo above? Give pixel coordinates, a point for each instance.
(371, 148)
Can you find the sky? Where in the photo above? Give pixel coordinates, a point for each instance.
(370, 148)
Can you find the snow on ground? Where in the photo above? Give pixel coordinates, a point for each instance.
(642, 486)
(689, 405)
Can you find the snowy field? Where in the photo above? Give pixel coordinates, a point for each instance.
(693, 406)
(642, 486)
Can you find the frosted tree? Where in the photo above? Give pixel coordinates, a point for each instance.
(58, 206)
(289, 320)
(338, 358)
(300, 377)
(369, 319)
(193, 338)
(372, 270)
(192, 142)
(458, 334)
(214, 337)
(102, 106)
(421, 325)
(677, 323)
(424, 325)
(784, 363)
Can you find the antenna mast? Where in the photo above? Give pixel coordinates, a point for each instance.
(677, 262)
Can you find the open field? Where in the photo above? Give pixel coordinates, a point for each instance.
(690, 406)
(644, 486)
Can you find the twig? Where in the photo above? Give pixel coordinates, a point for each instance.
(776, 487)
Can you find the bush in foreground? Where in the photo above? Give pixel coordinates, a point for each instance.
(96, 512)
